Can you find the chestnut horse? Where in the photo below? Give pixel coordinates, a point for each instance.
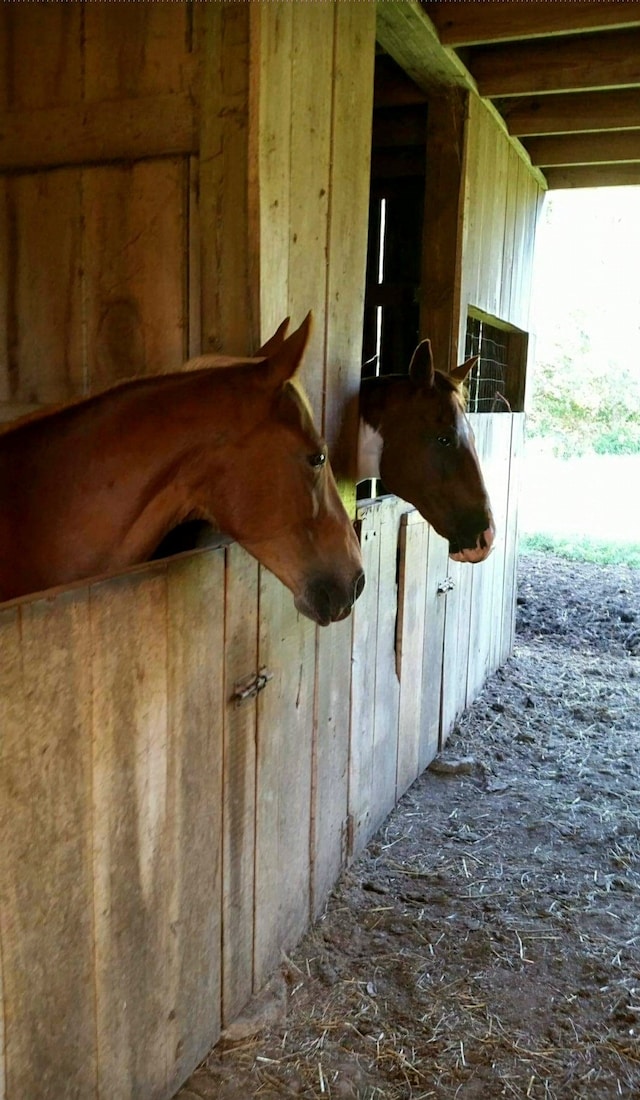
(414, 435)
(94, 486)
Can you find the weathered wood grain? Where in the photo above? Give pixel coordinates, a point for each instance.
(42, 350)
(433, 648)
(410, 631)
(119, 129)
(387, 684)
(241, 663)
(46, 918)
(194, 810)
(132, 870)
(330, 758)
(283, 763)
(228, 298)
(135, 269)
(365, 635)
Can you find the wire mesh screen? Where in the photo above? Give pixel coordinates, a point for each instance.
(487, 382)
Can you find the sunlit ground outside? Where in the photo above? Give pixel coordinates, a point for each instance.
(581, 471)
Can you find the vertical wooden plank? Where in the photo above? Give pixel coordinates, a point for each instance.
(365, 633)
(331, 758)
(433, 648)
(46, 921)
(509, 257)
(229, 296)
(272, 37)
(239, 780)
(412, 589)
(518, 309)
(456, 645)
(511, 538)
(310, 121)
(135, 269)
(498, 485)
(285, 729)
(8, 362)
(349, 168)
(348, 211)
(135, 49)
(481, 620)
(194, 256)
(14, 759)
(443, 220)
(534, 199)
(497, 187)
(43, 53)
(490, 245)
(132, 871)
(43, 347)
(387, 685)
(195, 655)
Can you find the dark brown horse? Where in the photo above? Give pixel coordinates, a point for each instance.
(94, 486)
(414, 435)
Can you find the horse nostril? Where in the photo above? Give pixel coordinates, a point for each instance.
(358, 586)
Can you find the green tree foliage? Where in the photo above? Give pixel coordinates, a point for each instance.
(584, 391)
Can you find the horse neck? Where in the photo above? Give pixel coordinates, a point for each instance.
(124, 467)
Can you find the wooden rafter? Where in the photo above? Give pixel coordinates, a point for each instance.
(467, 22)
(563, 114)
(407, 34)
(565, 149)
(593, 175)
(575, 63)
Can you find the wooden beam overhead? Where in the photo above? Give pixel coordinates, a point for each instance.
(410, 38)
(575, 113)
(593, 175)
(467, 22)
(610, 60)
(611, 148)
(407, 34)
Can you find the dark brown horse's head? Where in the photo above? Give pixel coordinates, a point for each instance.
(428, 454)
(294, 521)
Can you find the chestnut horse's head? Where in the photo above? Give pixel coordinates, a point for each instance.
(428, 455)
(295, 523)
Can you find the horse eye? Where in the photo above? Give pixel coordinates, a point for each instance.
(317, 460)
(444, 441)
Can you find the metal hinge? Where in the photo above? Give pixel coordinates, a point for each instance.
(447, 585)
(248, 689)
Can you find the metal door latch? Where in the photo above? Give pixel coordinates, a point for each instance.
(248, 689)
(447, 585)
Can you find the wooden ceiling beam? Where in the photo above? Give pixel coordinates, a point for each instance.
(467, 22)
(576, 63)
(571, 113)
(593, 175)
(407, 34)
(566, 149)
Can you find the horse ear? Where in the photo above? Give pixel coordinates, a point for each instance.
(275, 342)
(286, 360)
(460, 373)
(421, 370)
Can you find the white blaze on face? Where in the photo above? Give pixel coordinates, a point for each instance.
(370, 444)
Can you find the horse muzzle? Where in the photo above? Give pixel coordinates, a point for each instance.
(327, 600)
(475, 552)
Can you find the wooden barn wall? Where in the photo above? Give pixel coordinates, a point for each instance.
(501, 204)
(179, 178)
(161, 844)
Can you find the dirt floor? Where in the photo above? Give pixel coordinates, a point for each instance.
(487, 944)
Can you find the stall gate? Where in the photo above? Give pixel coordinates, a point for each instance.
(163, 842)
